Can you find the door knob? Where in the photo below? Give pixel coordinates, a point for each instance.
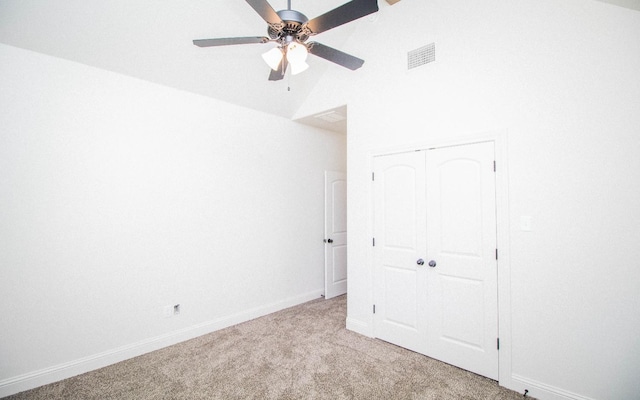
(420, 262)
(432, 263)
(329, 240)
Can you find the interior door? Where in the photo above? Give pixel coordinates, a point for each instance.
(435, 267)
(399, 242)
(335, 227)
(461, 241)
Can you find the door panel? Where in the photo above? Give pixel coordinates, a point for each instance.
(457, 208)
(400, 241)
(400, 310)
(438, 205)
(335, 227)
(400, 207)
(461, 238)
(462, 294)
(339, 201)
(339, 263)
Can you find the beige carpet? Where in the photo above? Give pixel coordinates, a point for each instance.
(303, 352)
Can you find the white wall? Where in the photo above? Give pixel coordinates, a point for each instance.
(119, 197)
(559, 80)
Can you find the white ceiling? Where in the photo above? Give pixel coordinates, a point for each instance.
(151, 40)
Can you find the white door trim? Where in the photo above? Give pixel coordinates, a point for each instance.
(500, 139)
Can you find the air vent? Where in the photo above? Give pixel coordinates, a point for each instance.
(331, 116)
(421, 56)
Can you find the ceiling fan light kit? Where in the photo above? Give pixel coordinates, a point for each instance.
(298, 67)
(297, 56)
(290, 30)
(273, 58)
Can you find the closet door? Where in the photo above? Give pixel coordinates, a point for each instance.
(462, 308)
(434, 259)
(400, 243)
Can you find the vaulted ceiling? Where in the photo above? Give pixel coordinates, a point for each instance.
(152, 40)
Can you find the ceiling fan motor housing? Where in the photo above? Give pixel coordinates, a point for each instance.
(293, 23)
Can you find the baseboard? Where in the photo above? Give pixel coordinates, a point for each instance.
(358, 326)
(541, 390)
(80, 366)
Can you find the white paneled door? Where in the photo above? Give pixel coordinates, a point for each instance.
(400, 284)
(335, 234)
(435, 266)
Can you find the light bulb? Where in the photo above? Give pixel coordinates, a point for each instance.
(273, 58)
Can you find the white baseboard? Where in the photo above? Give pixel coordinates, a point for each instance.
(541, 390)
(80, 366)
(359, 327)
(517, 383)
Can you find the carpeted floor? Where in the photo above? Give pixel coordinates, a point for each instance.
(303, 352)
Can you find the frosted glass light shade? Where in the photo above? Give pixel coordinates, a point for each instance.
(273, 58)
(298, 67)
(297, 55)
(297, 52)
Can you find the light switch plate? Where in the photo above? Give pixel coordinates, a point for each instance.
(525, 223)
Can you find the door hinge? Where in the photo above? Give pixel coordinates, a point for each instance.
(374, 308)
(494, 166)
(496, 254)
(374, 242)
(498, 343)
(373, 176)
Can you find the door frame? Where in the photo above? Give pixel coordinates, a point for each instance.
(500, 140)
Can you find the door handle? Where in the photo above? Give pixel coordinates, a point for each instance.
(432, 263)
(420, 262)
(329, 240)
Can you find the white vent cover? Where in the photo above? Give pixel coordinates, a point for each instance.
(421, 56)
(331, 116)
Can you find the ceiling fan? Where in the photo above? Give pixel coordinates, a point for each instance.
(290, 30)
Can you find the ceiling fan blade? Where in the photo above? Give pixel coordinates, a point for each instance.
(230, 41)
(265, 10)
(279, 74)
(345, 13)
(335, 56)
